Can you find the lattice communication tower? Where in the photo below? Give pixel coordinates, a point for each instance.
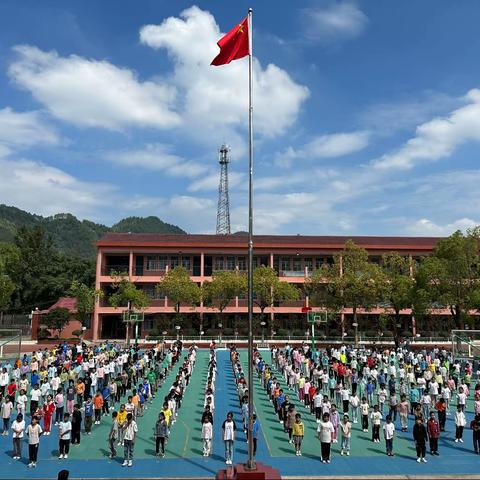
(223, 210)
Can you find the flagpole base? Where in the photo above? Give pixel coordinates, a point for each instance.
(241, 472)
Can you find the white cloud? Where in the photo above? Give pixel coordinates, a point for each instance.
(214, 100)
(156, 157)
(325, 146)
(92, 93)
(426, 227)
(437, 138)
(210, 181)
(46, 190)
(24, 129)
(336, 22)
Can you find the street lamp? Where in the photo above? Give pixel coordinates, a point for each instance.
(201, 335)
(220, 326)
(163, 342)
(177, 328)
(263, 323)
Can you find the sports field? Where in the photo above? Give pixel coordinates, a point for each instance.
(184, 450)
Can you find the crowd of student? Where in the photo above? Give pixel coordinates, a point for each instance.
(68, 386)
(344, 386)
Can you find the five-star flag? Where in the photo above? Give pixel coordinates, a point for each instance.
(233, 45)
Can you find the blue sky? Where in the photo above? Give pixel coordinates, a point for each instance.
(367, 113)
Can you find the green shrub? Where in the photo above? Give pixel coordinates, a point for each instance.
(43, 334)
(406, 334)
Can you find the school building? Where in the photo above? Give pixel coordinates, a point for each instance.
(147, 257)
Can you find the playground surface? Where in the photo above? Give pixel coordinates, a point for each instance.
(184, 449)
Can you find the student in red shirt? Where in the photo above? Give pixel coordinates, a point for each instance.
(12, 389)
(433, 429)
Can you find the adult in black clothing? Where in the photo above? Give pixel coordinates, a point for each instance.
(420, 436)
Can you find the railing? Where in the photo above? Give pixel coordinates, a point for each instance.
(292, 273)
(111, 269)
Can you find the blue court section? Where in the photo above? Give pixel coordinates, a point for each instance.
(455, 459)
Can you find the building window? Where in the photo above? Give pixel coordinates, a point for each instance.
(308, 263)
(242, 263)
(148, 323)
(297, 264)
(151, 263)
(152, 293)
(218, 263)
(186, 263)
(255, 262)
(162, 262)
(230, 263)
(174, 262)
(319, 261)
(285, 264)
(275, 263)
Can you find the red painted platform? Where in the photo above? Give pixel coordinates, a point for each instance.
(240, 472)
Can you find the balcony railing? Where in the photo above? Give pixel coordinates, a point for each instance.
(111, 269)
(292, 273)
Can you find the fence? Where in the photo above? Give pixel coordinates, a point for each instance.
(16, 321)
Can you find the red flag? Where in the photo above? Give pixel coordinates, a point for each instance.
(233, 45)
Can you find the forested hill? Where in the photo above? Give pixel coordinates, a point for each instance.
(72, 236)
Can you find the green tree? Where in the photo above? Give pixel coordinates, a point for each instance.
(450, 278)
(57, 319)
(268, 290)
(398, 287)
(127, 294)
(350, 282)
(86, 297)
(7, 287)
(179, 289)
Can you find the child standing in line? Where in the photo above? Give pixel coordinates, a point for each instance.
(33, 431)
(346, 427)
(18, 428)
(76, 424)
(255, 431)
(402, 408)
(335, 419)
(161, 434)
(113, 435)
(354, 403)
(433, 429)
(325, 433)
(98, 404)
(389, 433)
(65, 431)
(460, 422)
(21, 402)
(376, 418)
(364, 409)
(420, 436)
(88, 415)
(59, 406)
(7, 408)
(207, 435)
(48, 411)
(298, 434)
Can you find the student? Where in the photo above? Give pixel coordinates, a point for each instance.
(325, 434)
(88, 416)
(207, 435)
(298, 434)
(48, 411)
(76, 424)
(461, 398)
(354, 403)
(18, 427)
(475, 426)
(65, 432)
(441, 407)
(433, 429)
(376, 418)
(161, 434)
(229, 429)
(364, 409)
(34, 431)
(389, 433)
(21, 402)
(7, 408)
(460, 422)
(121, 419)
(346, 428)
(35, 395)
(335, 419)
(420, 436)
(98, 404)
(113, 435)
(59, 406)
(402, 408)
(130, 432)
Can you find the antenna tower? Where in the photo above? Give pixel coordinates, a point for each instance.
(223, 210)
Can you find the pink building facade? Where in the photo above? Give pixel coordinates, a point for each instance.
(146, 258)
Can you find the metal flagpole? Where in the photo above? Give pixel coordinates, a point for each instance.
(251, 461)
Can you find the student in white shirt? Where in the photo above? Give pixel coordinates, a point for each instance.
(18, 427)
(7, 407)
(389, 433)
(130, 430)
(460, 422)
(229, 429)
(64, 435)
(325, 435)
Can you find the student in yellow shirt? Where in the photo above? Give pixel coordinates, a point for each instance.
(167, 412)
(121, 419)
(298, 433)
